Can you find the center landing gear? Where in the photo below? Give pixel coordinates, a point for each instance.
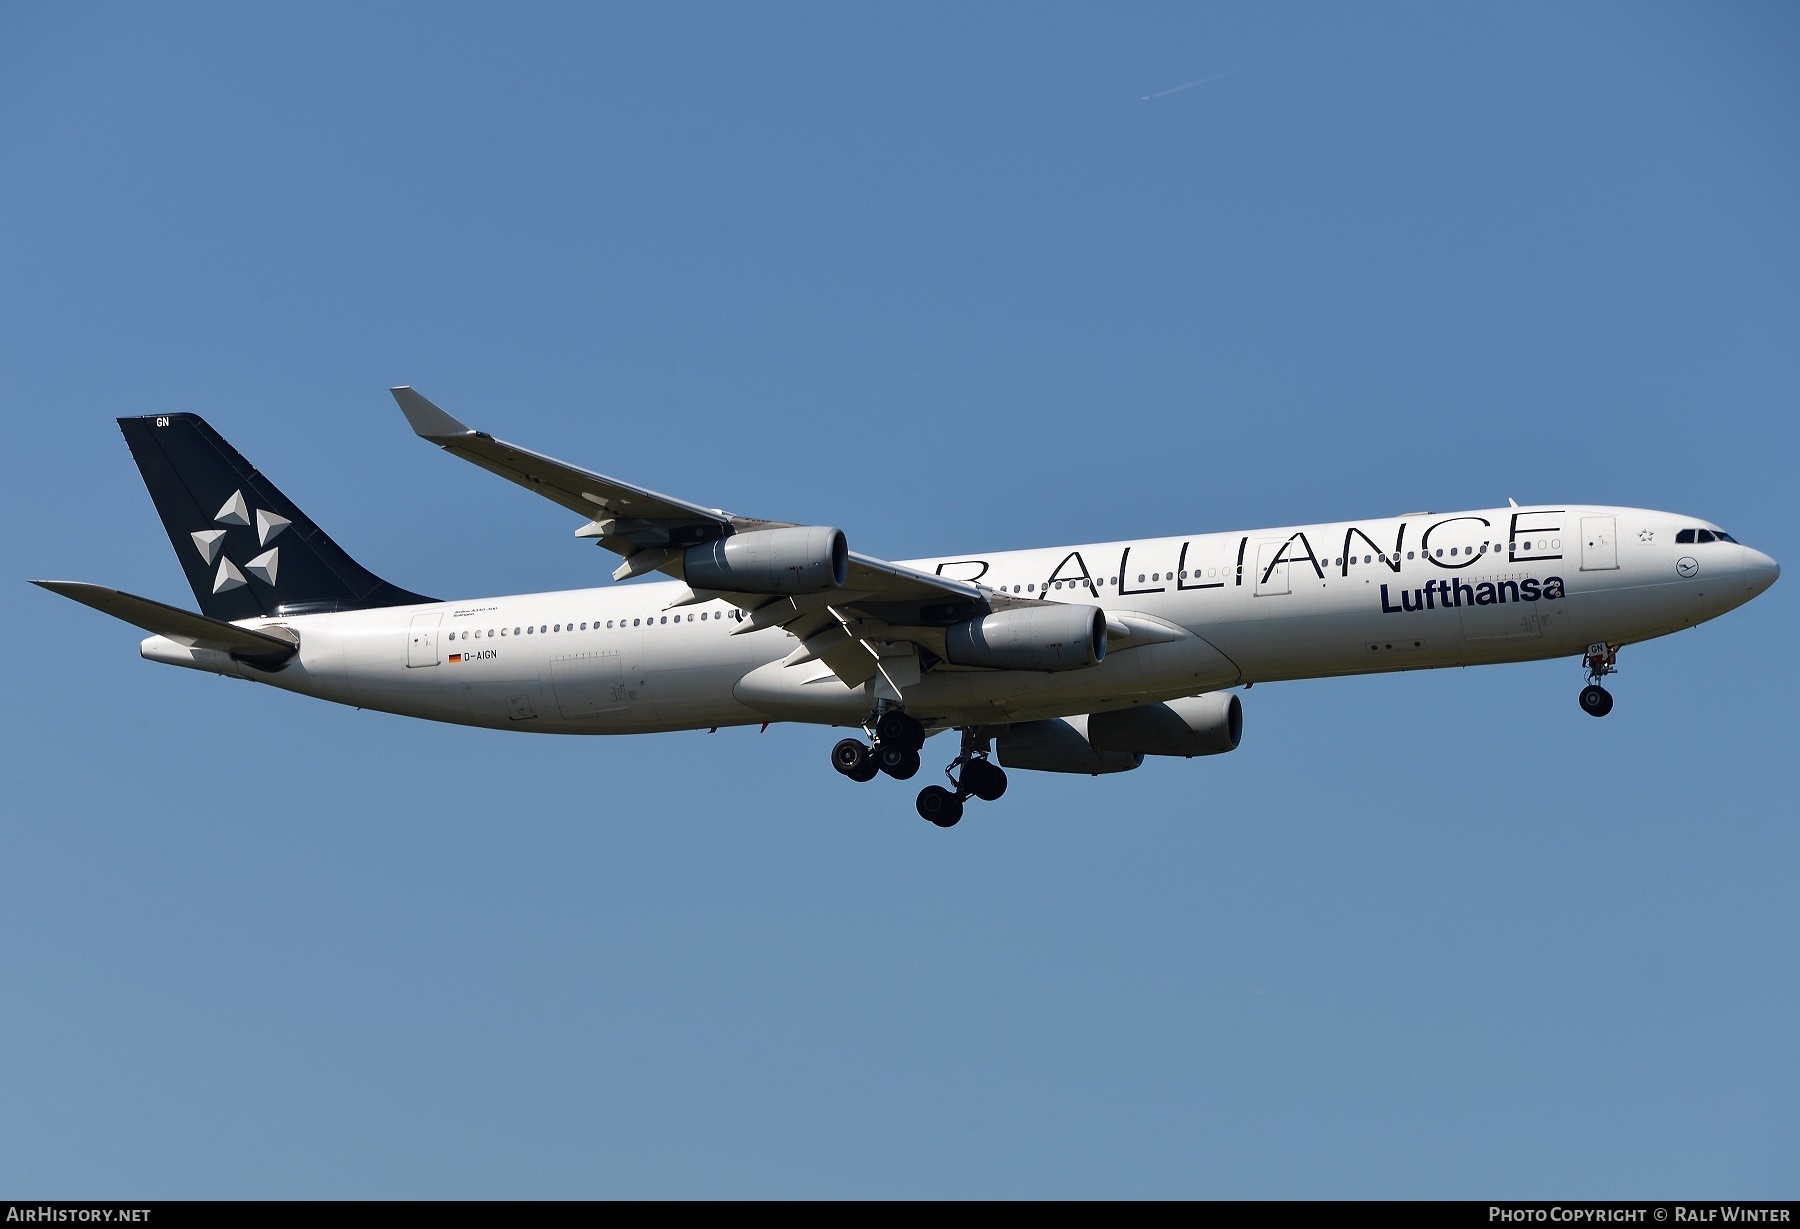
(1601, 660)
(973, 775)
(855, 760)
(896, 750)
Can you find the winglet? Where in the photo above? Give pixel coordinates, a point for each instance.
(427, 421)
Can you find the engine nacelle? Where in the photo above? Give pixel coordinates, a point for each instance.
(1057, 746)
(1051, 637)
(797, 559)
(1199, 725)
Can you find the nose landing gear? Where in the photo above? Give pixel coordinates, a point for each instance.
(1601, 660)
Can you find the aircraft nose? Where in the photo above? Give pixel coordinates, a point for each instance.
(1760, 571)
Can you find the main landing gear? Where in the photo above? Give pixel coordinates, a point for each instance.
(1601, 660)
(896, 752)
(973, 775)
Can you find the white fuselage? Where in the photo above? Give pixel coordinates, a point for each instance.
(1203, 613)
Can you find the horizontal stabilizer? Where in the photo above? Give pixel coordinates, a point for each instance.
(181, 626)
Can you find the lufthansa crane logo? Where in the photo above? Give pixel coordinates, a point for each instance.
(211, 545)
(1687, 567)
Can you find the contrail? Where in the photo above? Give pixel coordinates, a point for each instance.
(1230, 72)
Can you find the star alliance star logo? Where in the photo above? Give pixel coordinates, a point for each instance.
(211, 545)
(1646, 535)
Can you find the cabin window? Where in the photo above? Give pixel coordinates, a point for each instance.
(1140, 578)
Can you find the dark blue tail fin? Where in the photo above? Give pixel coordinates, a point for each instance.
(246, 549)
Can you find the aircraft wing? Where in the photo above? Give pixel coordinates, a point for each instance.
(877, 601)
(594, 496)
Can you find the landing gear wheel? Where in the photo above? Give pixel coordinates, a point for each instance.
(854, 759)
(984, 779)
(897, 763)
(895, 729)
(940, 806)
(1596, 701)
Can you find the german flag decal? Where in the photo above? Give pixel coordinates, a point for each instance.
(455, 657)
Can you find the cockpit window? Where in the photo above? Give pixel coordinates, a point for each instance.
(1685, 536)
(1725, 537)
(1705, 535)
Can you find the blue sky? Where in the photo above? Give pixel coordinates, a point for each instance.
(943, 277)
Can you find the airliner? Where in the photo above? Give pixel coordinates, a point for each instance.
(1076, 659)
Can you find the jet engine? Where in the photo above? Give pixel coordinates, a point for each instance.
(796, 559)
(1051, 637)
(1199, 725)
(1057, 746)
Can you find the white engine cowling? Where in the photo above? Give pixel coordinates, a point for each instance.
(1057, 746)
(796, 559)
(1198, 725)
(1052, 637)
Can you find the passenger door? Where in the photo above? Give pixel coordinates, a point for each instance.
(422, 639)
(1599, 544)
(1269, 581)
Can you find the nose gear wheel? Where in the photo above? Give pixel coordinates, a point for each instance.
(1601, 660)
